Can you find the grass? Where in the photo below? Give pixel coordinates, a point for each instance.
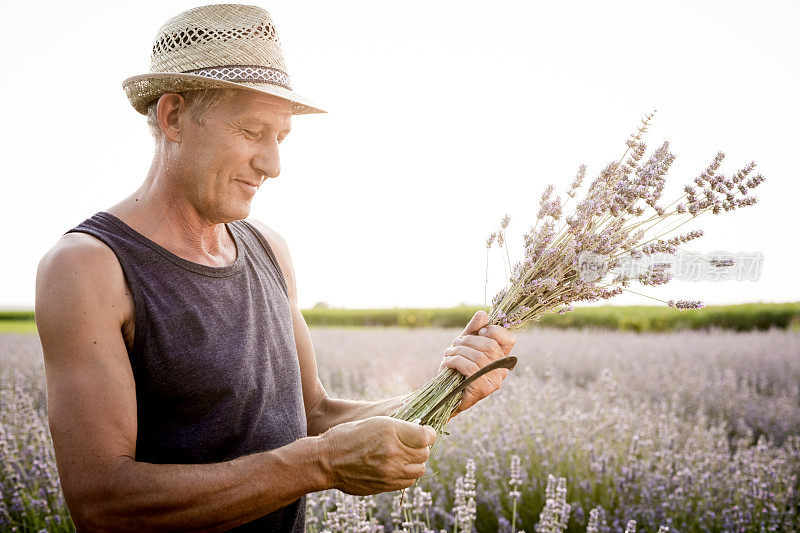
(17, 326)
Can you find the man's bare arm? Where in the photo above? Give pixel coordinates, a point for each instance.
(80, 308)
(322, 411)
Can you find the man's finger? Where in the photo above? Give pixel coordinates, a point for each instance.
(462, 364)
(414, 435)
(405, 483)
(487, 345)
(418, 455)
(413, 470)
(478, 320)
(501, 335)
(476, 356)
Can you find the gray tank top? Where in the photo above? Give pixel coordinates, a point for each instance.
(214, 358)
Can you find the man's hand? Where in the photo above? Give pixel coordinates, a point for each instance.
(477, 346)
(377, 454)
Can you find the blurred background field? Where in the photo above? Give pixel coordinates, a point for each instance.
(695, 430)
(744, 317)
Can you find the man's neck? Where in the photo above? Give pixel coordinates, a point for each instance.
(170, 220)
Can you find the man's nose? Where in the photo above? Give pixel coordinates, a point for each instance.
(267, 160)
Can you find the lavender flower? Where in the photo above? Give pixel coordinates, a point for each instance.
(555, 515)
(594, 522)
(686, 304)
(515, 482)
(695, 401)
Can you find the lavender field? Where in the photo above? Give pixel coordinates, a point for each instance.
(693, 431)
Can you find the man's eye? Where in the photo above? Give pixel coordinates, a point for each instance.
(252, 134)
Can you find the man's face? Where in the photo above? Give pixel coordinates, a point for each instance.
(225, 160)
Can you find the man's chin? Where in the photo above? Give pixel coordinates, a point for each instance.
(242, 211)
(232, 213)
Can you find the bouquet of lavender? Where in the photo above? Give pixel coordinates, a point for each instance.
(586, 255)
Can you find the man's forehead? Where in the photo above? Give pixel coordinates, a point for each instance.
(261, 101)
(260, 106)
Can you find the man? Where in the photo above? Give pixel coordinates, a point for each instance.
(182, 383)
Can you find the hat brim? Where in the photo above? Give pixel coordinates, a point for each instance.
(142, 90)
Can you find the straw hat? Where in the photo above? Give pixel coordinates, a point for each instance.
(216, 47)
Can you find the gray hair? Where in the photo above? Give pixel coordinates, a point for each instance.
(200, 102)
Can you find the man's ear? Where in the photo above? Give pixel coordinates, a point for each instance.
(170, 111)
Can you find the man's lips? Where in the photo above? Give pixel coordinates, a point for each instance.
(249, 185)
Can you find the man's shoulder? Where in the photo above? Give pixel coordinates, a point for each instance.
(79, 265)
(78, 252)
(275, 240)
(279, 248)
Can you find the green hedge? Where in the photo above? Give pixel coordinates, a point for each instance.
(420, 318)
(743, 317)
(16, 315)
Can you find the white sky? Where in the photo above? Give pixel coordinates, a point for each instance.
(442, 117)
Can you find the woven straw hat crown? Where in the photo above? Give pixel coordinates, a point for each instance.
(217, 46)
